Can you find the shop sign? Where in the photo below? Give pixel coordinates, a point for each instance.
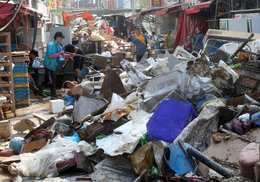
(120, 4)
(52, 4)
(159, 20)
(156, 3)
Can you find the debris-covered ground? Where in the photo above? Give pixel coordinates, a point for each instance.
(175, 117)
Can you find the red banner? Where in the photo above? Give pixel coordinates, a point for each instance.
(156, 3)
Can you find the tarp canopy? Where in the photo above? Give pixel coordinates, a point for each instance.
(7, 10)
(187, 27)
(6, 13)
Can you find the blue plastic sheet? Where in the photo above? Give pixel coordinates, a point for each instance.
(256, 117)
(68, 100)
(205, 98)
(169, 120)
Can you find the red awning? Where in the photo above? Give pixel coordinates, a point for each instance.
(160, 13)
(6, 10)
(198, 7)
(135, 16)
(192, 11)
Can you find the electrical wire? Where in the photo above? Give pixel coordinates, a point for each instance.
(13, 17)
(4, 4)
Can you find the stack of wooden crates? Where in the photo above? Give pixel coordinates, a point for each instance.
(7, 86)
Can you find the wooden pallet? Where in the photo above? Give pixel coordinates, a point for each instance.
(9, 74)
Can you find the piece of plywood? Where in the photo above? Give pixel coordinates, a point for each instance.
(111, 84)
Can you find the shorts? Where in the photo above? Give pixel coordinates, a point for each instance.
(78, 62)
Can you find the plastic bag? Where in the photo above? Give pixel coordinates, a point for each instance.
(68, 100)
(256, 118)
(43, 163)
(100, 22)
(238, 127)
(95, 36)
(107, 54)
(244, 117)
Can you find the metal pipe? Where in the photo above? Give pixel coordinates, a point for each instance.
(242, 46)
(209, 162)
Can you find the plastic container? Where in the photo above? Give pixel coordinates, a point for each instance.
(169, 120)
(17, 143)
(177, 160)
(248, 80)
(247, 159)
(62, 128)
(56, 106)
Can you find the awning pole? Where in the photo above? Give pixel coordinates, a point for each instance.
(15, 33)
(215, 23)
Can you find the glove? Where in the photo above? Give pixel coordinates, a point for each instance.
(57, 54)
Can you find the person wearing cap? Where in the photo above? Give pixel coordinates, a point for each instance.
(78, 61)
(32, 55)
(80, 36)
(51, 60)
(140, 42)
(85, 39)
(199, 39)
(168, 40)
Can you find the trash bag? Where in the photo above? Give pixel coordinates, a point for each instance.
(43, 162)
(68, 100)
(248, 125)
(204, 99)
(143, 158)
(238, 127)
(256, 117)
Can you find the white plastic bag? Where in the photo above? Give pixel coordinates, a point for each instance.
(244, 117)
(43, 163)
(96, 36)
(107, 54)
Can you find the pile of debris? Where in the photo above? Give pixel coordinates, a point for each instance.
(173, 118)
(100, 31)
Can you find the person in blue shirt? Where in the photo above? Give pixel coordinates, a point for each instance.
(140, 41)
(78, 61)
(199, 39)
(51, 60)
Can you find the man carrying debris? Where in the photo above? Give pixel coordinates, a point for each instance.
(140, 42)
(168, 40)
(51, 60)
(78, 61)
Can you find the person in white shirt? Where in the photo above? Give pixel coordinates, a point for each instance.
(80, 38)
